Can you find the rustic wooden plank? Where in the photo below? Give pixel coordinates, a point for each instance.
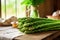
(53, 36)
(38, 36)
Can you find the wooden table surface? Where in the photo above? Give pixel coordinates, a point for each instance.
(39, 36)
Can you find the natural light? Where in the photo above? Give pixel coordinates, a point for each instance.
(12, 8)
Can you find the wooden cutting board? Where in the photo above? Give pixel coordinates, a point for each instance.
(39, 36)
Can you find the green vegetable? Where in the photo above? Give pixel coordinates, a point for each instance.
(34, 4)
(33, 25)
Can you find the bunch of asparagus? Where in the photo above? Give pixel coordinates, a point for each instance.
(33, 25)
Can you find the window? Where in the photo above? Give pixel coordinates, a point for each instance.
(12, 8)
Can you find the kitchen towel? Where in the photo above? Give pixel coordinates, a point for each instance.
(8, 33)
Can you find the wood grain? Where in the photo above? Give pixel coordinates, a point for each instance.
(39, 36)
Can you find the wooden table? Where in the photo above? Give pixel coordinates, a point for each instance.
(39, 36)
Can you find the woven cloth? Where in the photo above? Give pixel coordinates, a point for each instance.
(8, 33)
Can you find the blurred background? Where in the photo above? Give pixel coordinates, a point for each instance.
(10, 8)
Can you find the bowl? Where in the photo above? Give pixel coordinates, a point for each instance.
(53, 17)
